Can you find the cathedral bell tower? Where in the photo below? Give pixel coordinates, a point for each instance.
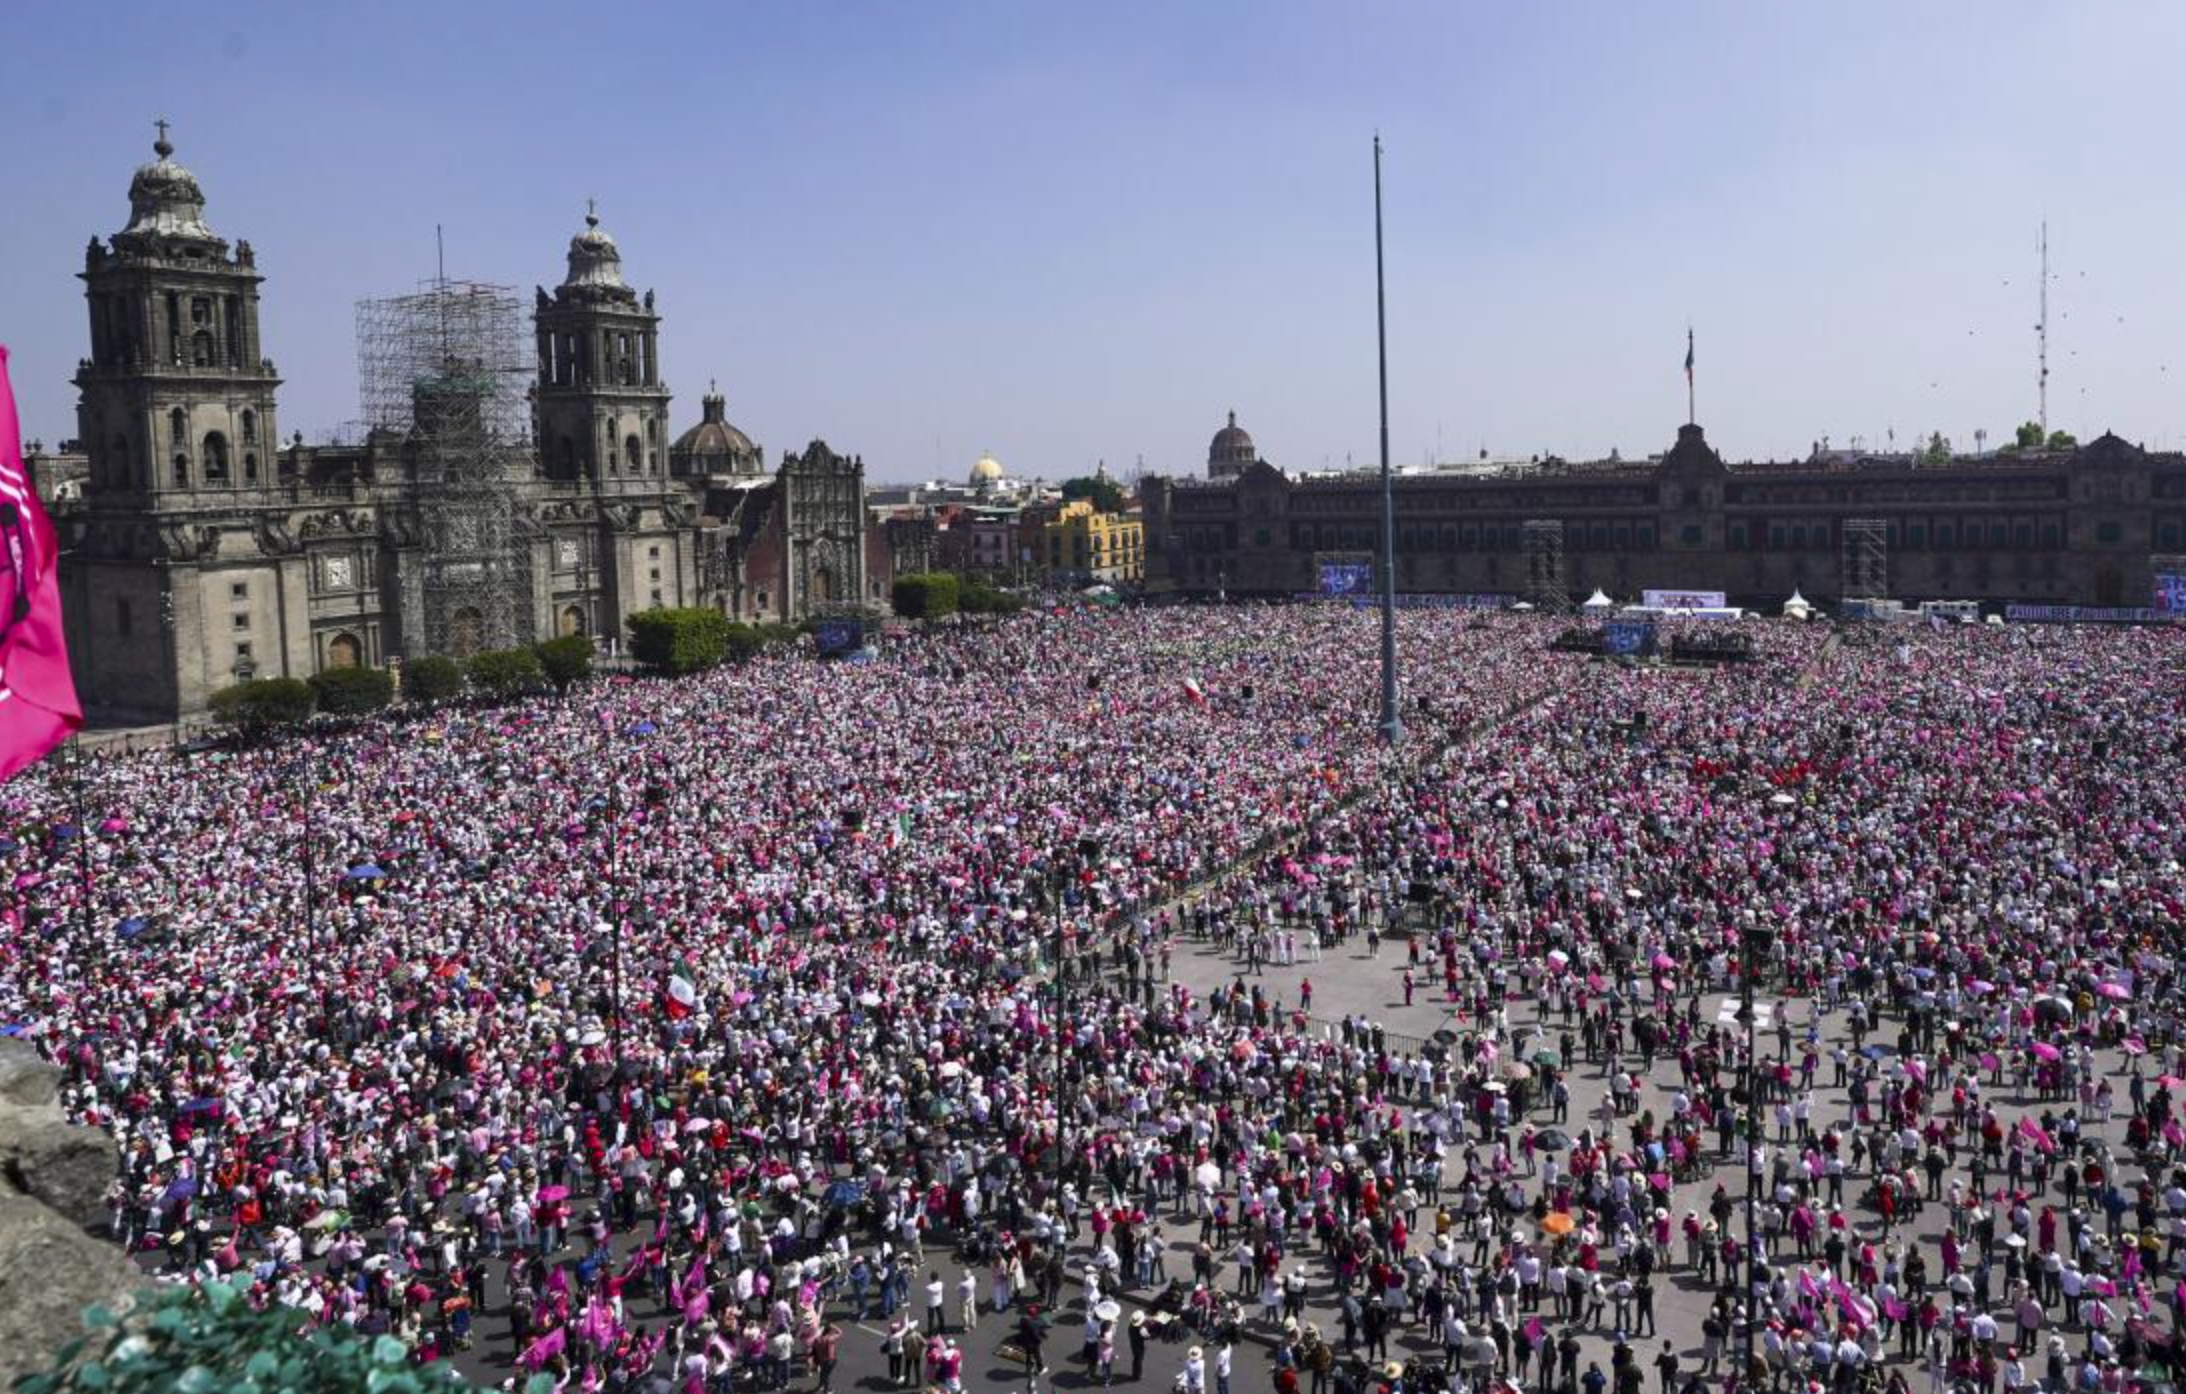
(176, 399)
(603, 410)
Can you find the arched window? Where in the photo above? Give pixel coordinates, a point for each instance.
(216, 458)
(572, 620)
(250, 467)
(343, 651)
(182, 470)
(178, 426)
(201, 349)
(250, 428)
(633, 455)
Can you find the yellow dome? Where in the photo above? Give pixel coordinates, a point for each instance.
(986, 470)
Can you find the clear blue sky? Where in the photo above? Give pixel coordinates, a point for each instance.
(1070, 232)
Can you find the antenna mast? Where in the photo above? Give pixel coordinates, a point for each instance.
(2041, 334)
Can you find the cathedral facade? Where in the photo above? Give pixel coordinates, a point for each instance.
(203, 550)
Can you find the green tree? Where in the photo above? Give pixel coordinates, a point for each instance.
(209, 1337)
(353, 691)
(2063, 440)
(1937, 451)
(269, 704)
(926, 596)
(431, 680)
(566, 661)
(2028, 436)
(679, 640)
(978, 596)
(506, 672)
(1106, 493)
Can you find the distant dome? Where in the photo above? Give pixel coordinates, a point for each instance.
(713, 446)
(1231, 450)
(595, 263)
(164, 199)
(986, 470)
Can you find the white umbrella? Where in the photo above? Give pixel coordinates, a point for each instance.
(1209, 1175)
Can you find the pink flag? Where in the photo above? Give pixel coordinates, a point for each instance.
(38, 706)
(539, 1352)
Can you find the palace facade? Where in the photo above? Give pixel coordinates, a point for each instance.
(2088, 526)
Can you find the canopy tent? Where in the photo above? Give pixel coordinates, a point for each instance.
(1797, 607)
(1597, 603)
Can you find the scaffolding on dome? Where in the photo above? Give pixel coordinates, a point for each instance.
(1544, 552)
(445, 369)
(1864, 572)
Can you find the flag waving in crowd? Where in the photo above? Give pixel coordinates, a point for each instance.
(38, 706)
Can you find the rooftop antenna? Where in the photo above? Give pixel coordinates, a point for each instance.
(2041, 336)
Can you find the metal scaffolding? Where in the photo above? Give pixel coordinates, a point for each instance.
(445, 369)
(1544, 549)
(1865, 573)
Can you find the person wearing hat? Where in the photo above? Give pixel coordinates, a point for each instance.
(1137, 1336)
(1195, 1372)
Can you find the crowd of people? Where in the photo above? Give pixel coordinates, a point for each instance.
(698, 1030)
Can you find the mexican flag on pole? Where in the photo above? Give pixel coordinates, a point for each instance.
(681, 997)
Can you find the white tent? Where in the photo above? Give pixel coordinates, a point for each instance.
(1598, 604)
(1797, 607)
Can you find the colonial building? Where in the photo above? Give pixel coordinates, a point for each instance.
(2058, 527)
(1085, 544)
(202, 550)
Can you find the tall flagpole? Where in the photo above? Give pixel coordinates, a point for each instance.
(1392, 725)
(1690, 414)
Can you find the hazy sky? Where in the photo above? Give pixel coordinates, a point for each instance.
(1072, 232)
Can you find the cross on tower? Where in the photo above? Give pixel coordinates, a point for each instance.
(162, 124)
(591, 213)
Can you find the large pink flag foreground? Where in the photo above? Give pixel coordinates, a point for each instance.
(38, 706)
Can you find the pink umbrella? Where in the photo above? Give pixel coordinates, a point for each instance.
(552, 1193)
(2116, 992)
(1665, 961)
(2043, 1050)
(1981, 987)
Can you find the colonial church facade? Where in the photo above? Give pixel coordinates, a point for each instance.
(202, 549)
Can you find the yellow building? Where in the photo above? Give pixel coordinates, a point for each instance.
(1086, 545)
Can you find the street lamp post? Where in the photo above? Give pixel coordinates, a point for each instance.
(1752, 947)
(1089, 851)
(83, 831)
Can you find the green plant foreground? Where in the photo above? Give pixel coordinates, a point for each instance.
(210, 1340)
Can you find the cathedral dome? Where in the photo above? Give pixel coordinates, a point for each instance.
(1231, 445)
(164, 199)
(986, 470)
(713, 446)
(595, 263)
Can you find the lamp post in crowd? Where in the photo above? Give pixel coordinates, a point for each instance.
(1753, 946)
(83, 832)
(1088, 852)
(307, 856)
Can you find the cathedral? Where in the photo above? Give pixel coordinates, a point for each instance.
(201, 549)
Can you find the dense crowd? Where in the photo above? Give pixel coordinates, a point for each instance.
(690, 1026)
